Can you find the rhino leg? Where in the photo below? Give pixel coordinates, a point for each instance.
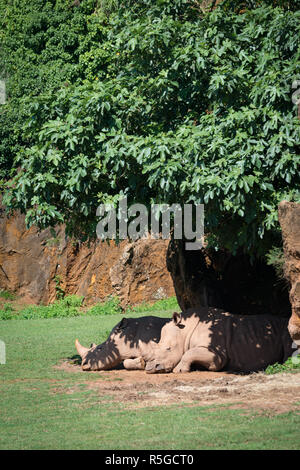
(134, 364)
(202, 356)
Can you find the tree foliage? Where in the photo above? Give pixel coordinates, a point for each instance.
(160, 101)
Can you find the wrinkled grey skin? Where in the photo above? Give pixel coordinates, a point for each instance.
(214, 340)
(128, 341)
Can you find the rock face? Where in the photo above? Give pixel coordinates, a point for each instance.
(289, 218)
(34, 265)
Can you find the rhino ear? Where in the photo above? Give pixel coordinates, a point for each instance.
(176, 318)
(123, 324)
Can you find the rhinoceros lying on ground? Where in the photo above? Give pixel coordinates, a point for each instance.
(215, 340)
(128, 341)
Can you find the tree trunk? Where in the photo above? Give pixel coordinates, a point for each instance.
(195, 281)
(219, 279)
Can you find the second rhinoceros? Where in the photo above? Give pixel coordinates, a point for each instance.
(214, 340)
(128, 341)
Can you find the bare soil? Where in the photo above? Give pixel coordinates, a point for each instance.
(271, 394)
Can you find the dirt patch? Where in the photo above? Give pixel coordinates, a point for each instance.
(141, 377)
(267, 393)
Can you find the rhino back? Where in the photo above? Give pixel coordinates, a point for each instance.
(245, 342)
(149, 328)
(255, 341)
(133, 331)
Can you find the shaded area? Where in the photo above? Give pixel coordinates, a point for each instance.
(219, 279)
(218, 340)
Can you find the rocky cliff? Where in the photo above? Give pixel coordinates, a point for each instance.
(289, 218)
(35, 264)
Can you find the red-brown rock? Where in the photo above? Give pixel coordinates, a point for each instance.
(289, 218)
(30, 260)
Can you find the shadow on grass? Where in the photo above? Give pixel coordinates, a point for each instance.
(76, 361)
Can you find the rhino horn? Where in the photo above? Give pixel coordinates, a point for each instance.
(81, 349)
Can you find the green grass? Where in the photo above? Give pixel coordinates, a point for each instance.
(38, 410)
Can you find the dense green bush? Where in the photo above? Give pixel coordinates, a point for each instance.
(70, 306)
(292, 364)
(4, 294)
(163, 103)
(110, 307)
(163, 304)
(67, 307)
(40, 47)
(275, 258)
(7, 312)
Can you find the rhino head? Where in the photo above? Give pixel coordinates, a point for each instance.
(166, 354)
(106, 355)
(100, 357)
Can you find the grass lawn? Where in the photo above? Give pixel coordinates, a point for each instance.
(34, 416)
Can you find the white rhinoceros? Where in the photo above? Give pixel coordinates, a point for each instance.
(128, 341)
(214, 339)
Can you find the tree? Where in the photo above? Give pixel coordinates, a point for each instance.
(162, 102)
